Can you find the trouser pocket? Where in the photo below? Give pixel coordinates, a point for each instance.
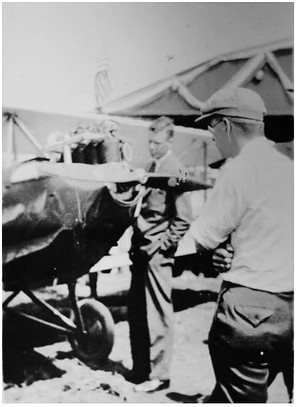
(244, 323)
(253, 314)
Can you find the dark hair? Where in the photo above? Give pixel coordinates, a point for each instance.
(161, 124)
(248, 126)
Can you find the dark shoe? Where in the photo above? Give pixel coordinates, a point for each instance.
(132, 378)
(150, 386)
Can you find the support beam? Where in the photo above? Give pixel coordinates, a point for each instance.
(30, 136)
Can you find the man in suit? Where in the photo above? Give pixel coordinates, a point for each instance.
(163, 220)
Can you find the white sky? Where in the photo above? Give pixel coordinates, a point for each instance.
(51, 51)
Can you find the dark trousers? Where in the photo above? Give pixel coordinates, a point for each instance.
(150, 316)
(250, 342)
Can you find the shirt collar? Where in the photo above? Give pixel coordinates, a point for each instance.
(257, 143)
(158, 161)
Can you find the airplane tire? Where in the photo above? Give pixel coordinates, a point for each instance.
(97, 344)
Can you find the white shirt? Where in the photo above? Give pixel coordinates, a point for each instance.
(158, 161)
(253, 200)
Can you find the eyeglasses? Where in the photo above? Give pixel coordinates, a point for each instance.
(211, 128)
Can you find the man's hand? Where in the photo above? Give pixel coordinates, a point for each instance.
(222, 258)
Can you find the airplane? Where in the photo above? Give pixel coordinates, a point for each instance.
(59, 218)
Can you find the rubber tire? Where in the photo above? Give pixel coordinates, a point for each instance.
(99, 324)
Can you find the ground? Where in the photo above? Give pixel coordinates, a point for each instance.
(42, 368)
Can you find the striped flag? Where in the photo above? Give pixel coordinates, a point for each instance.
(103, 85)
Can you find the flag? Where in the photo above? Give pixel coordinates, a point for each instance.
(103, 85)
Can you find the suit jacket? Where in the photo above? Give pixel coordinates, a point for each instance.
(165, 215)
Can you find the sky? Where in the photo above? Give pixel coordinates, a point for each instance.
(51, 51)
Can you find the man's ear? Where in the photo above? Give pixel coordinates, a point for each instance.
(170, 141)
(227, 125)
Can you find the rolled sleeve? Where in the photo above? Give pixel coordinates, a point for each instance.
(222, 211)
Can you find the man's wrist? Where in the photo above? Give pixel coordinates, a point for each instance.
(199, 248)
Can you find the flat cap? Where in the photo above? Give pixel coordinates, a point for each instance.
(233, 102)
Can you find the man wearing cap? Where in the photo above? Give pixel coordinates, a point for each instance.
(251, 338)
(163, 220)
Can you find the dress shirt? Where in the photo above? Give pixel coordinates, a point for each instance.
(253, 201)
(158, 161)
(165, 215)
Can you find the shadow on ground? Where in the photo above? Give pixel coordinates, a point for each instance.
(23, 365)
(26, 367)
(186, 398)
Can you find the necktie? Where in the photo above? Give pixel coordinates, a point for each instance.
(153, 167)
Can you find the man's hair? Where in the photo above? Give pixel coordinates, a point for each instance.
(163, 123)
(248, 126)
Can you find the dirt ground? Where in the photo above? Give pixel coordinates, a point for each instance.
(40, 367)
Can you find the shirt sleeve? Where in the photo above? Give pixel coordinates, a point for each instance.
(223, 210)
(179, 223)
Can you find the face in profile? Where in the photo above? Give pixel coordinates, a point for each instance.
(218, 131)
(159, 144)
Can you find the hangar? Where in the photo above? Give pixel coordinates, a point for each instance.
(266, 69)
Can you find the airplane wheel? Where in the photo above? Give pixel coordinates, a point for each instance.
(98, 342)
